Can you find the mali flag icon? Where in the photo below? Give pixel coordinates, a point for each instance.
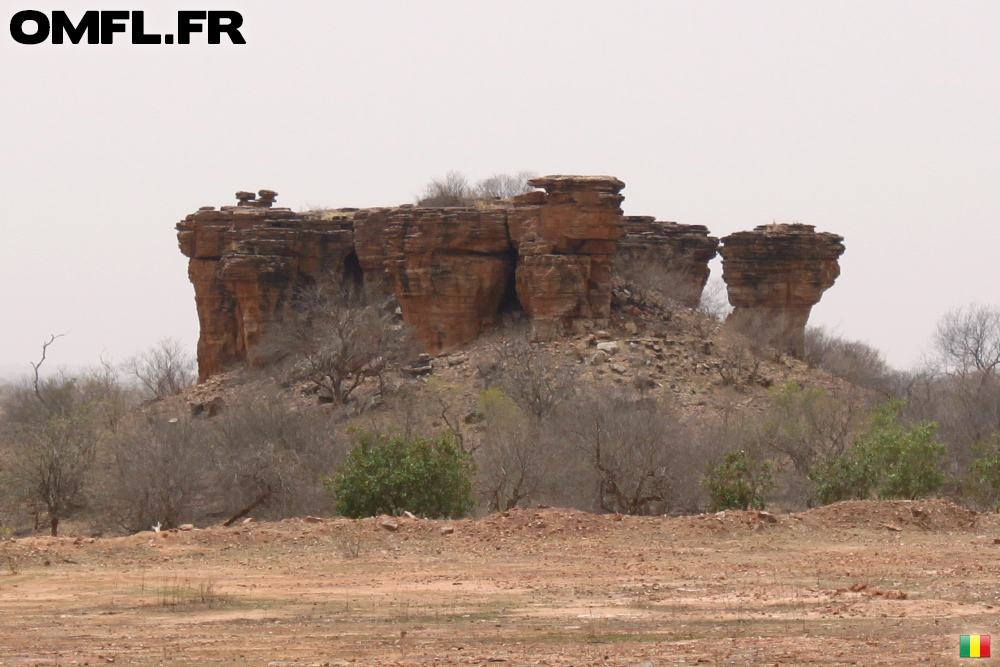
(974, 646)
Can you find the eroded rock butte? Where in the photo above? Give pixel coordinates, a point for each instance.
(455, 270)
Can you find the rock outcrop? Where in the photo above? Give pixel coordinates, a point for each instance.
(775, 274)
(246, 262)
(449, 268)
(454, 269)
(566, 238)
(682, 252)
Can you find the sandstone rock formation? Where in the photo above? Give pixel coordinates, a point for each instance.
(370, 242)
(566, 238)
(453, 269)
(774, 275)
(246, 261)
(683, 251)
(449, 268)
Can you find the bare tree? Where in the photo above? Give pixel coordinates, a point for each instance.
(514, 460)
(529, 373)
(269, 460)
(159, 473)
(37, 367)
(503, 186)
(855, 361)
(51, 439)
(715, 300)
(968, 339)
(337, 337)
(452, 190)
(164, 369)
(455, 190)
(631, 445)
(53, 461)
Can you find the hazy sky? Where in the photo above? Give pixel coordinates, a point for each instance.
(875, 120)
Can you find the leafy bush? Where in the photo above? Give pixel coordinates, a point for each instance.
(739, 482)
(986, 468)
(895, 460)
(386, 474)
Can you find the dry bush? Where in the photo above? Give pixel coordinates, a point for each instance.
(452, 190)
(797, 428)
(636, 449)
(811, 425)
(455, 190)
(336, 336)
(515, 458)
(967, 408)
(269, 459)
(162, 370)
(857, 362)
(533, 376)
(643, 281)
(960, 387)
(503, 186)
(259, 457)
(51, 463)
(158, 474)
(49, 440)
(740, 363)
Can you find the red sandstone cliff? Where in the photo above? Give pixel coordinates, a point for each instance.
(552, 250)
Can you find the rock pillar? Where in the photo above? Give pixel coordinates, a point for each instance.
(449, 268)
(566, 239)
(775, 274)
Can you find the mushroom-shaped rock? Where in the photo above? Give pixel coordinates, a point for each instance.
(775, 274)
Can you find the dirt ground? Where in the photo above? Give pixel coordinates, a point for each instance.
(863, 583)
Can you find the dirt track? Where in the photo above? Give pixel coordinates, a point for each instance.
(851, 584)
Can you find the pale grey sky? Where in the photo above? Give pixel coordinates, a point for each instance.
(875, 120)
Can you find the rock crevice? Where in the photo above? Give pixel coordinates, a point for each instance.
(682, 252)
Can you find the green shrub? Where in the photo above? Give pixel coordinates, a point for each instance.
(985, 468)
(739, 482)
(895, 460)
(390, 474)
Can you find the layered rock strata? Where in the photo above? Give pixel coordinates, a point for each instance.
(370, 244)
(246, 261)
(775, 274)
(682, 252)
(566, 237)
(449, 268)
(550, 251)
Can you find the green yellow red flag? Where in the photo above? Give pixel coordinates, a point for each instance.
(974, 646)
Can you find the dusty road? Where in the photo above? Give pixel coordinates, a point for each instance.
(851, 584)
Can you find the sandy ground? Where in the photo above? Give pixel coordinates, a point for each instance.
(892, 583)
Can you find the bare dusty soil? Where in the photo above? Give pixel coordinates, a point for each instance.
(891, 583)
